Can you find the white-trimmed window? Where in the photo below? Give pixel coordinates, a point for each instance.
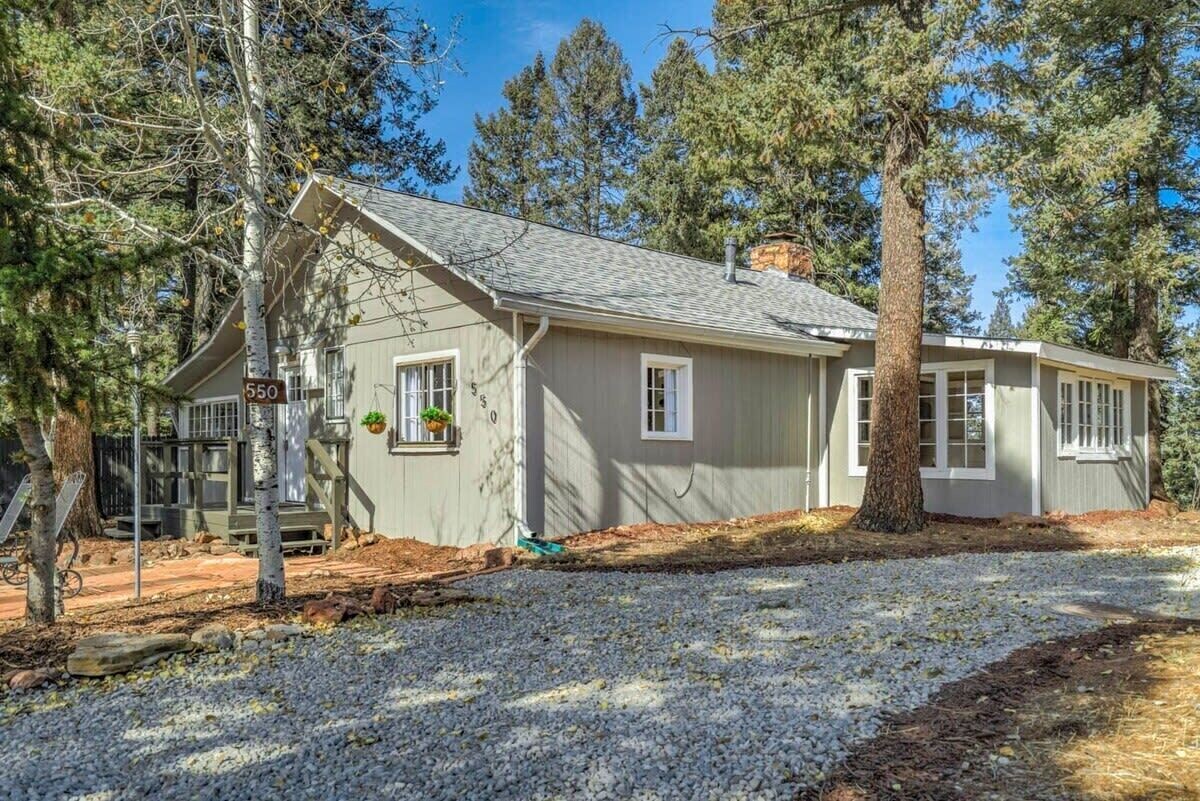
(666, 397)
(1093, 417)
(955, 419)
(424, 380)
(335, 383)
(217, 418)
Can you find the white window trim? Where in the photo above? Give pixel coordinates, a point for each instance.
(683, 391)
(187, 407)
(1108, 453)
(325, 380)
(985, 473)
(450, 446)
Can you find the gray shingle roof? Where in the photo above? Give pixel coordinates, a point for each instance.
(556, 266)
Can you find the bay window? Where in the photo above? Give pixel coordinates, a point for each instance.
(1093, 417)
(954, 420)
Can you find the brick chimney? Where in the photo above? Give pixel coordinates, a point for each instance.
(781, 251)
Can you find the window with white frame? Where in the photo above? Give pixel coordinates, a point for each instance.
(666, 397)
(214, 419)
(335, 383)
(423, 381)
(954, 418)
(1093, 417)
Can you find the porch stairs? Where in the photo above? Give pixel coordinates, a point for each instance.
(214, 462)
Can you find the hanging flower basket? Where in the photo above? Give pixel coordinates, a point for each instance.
(375, 422)
(435, 419)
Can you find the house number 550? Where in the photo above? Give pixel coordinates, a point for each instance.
(483, 402)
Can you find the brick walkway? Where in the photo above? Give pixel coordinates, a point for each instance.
(172, 576)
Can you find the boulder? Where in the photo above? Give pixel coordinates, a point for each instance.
(332, 609)
(383, 600)
(278, 632)
(213, 637)
(115, 652)
(30, 679)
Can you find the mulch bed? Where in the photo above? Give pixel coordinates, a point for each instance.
(938, 751)
(825, 536)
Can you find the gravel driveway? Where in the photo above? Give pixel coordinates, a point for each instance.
(742, 684)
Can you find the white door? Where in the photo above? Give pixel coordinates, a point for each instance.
(293, 435)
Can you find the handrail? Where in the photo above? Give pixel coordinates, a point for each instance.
(332, 500)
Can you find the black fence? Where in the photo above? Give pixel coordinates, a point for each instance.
(113, 462)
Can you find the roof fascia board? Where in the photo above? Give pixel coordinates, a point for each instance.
(1060, 355)
(639, 326)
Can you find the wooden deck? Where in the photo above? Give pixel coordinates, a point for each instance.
(200, 487)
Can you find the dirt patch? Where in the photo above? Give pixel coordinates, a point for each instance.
(404, 554)
(826, 536)
(394, 562)
(1107, 716)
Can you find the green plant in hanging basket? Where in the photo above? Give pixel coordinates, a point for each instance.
(374, 421)
(436, 419)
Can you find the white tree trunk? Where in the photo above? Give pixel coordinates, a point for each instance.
(40, 603)
(265, 465)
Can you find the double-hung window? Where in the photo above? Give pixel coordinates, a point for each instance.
(666, 397)
(335, 383)
(1093, 417)
(955, 416)
(423, 381)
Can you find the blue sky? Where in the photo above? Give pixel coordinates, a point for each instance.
(499, 37)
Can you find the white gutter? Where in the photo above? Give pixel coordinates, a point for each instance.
(520, 445)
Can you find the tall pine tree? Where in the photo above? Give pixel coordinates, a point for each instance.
(671, 206)
(507, 161)
(1103, 175)
(564, 148)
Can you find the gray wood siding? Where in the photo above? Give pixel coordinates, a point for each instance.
(456, 498)
(1075, 487)
(590, 468)
(1012, 488)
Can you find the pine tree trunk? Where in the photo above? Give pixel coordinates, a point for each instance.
(73, 452)
(1146, 346)
(892, 498)
(40, 603)
(270, 585)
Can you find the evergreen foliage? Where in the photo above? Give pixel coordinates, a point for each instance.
(1001, 324)
(563, 148)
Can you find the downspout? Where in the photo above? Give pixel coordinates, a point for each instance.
(520, 366)
(808, 443)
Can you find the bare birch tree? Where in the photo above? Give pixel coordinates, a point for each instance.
(186, 85)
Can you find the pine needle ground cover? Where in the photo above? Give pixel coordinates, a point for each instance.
(826, 535)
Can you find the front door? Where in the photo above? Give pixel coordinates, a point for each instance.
(293, 435)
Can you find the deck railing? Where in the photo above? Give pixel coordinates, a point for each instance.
(181, 472)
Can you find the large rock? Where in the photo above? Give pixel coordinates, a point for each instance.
(214, 637)
(332, 609)
(106, 654)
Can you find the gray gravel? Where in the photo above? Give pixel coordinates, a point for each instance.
(741, 684)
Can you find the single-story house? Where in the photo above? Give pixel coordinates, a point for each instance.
(595, 383)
